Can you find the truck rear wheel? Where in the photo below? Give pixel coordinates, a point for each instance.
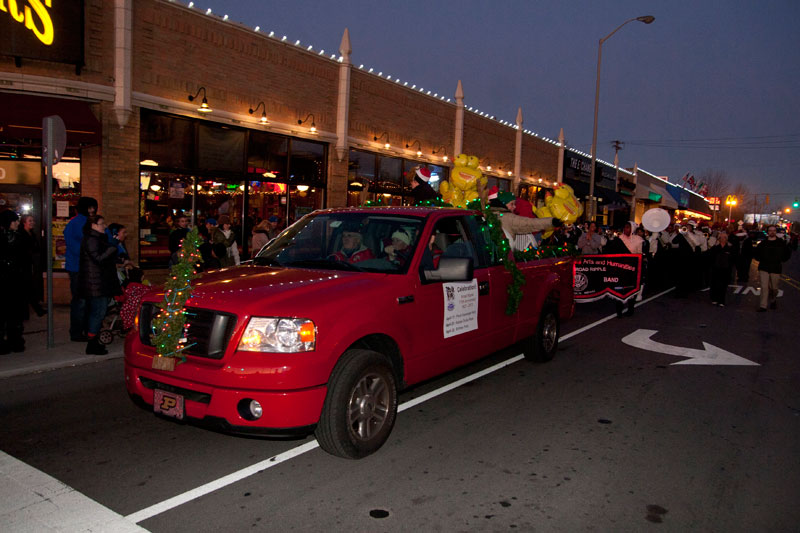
(360, 407)
(542, 347)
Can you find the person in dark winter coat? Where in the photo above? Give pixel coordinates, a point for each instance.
(73, 235)
(12, 273)
(31, 244)
(97, 277)
(722, 259)
(684, 256)
(745, 257)
(421, 191)
(176, 237)
(770, 253)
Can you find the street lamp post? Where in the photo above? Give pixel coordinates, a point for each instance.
(647, 19)
(730, 201)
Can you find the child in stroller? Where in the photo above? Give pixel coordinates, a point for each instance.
(121, 313)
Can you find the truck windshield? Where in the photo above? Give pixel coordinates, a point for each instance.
(346, 241)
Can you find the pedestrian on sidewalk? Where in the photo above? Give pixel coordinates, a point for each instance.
(73, 235)
(32, 245)
(770, 254)
(12, 272)
(97, 278)
(225, 235)
(723, 257)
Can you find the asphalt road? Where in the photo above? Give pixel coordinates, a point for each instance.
(608, 437)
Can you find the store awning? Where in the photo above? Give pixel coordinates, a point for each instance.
(666, 199)
(648, 193)
(699, 204)
(21, 118)
(607, 197)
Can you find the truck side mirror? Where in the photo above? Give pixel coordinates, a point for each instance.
(451, 269)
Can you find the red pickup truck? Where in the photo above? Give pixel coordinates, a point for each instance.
(329, 320)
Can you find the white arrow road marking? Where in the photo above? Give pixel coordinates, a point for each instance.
(709, 355)
(748, 289)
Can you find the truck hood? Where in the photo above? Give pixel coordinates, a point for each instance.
(247, 288)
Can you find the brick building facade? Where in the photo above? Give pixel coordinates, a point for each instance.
(149, 55)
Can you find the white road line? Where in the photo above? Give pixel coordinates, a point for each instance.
(30, 500)
(222, 482)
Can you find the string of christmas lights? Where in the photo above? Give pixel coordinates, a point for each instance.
(170, 326)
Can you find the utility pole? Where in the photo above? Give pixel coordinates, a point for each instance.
(618, 145)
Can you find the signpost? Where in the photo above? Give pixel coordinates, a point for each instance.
(54, 141)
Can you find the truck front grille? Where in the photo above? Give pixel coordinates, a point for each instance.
(208, 333)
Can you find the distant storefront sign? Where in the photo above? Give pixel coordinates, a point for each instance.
(40, 29)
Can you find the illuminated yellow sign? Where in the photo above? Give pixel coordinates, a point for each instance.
(34, 16)
(45, 30)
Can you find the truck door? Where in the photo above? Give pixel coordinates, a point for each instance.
(451, 318)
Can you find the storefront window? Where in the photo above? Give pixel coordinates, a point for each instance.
(166, 141)
(360, 174)
(388, 178)
(247, 175)
(267, 155)
(220, 149)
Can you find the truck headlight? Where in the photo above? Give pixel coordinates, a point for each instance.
(280, 335)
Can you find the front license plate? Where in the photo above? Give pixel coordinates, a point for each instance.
(168, 403)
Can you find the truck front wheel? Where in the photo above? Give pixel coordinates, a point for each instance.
(360, 407)
(542, 347)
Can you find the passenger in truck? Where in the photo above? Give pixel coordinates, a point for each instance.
(399, 251)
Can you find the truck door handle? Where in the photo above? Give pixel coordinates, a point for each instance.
(405, 299)
(483, 288)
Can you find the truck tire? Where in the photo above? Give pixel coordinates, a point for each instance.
(360, 407)
(542, 347)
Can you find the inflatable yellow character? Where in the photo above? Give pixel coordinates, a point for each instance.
(562, 205)
(464, 178)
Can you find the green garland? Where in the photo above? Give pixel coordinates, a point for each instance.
(517, 279)
(169, 325)
(436, 202)
(545, 251)
(503, 248)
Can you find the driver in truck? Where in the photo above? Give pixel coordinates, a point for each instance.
(353, 249)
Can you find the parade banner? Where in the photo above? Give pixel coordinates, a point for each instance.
(617, 276)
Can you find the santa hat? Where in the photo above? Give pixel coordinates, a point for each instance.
(493, 193)
(423, 174)
(401, 235)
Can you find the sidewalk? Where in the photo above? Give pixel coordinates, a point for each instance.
(38, 358)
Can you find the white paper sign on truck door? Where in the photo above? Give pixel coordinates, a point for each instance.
(460, 307)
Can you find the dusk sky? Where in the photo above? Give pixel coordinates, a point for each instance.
(708, 85)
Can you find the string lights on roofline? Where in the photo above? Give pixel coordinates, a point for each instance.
(339, 59)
